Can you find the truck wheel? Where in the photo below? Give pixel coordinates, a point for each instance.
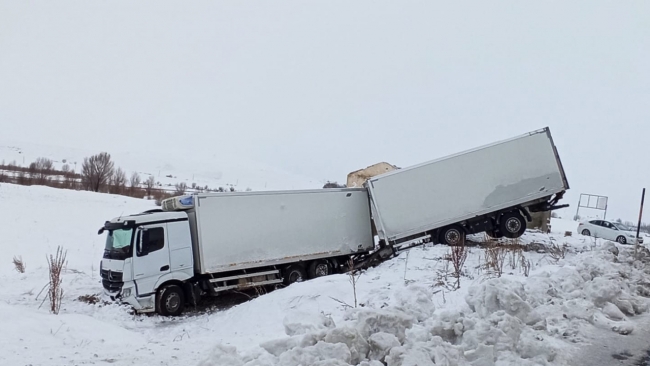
(320, 268)
(452, 235)
(170, 300)
(512, 225)
(294, 273)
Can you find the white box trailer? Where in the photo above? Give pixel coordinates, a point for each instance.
(469, 192)
(208, 243)
(235, 231)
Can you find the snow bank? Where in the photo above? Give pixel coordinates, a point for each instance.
(513, 320)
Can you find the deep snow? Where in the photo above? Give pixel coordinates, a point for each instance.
(408, 313)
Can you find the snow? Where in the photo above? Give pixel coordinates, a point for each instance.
(408, 313)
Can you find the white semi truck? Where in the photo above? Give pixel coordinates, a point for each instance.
(208, 243)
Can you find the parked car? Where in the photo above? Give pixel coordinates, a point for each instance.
(608, 230)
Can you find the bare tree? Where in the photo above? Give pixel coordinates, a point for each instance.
(24, 179)
(333, 185)
(181, 188)
(134, 182)
(96, 171)
(149, 183)
(40, 170)
(118, 181)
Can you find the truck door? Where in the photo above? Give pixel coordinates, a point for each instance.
(151, 257)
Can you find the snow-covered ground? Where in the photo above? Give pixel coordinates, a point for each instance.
(408, 312)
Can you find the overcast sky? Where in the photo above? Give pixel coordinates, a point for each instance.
(322, 88)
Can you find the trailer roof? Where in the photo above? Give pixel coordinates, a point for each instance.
(542, 130)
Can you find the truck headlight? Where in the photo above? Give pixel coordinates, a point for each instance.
(126, 292)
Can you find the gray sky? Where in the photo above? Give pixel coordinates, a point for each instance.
(322, 88)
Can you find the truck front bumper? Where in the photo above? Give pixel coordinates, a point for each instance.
(128, 295)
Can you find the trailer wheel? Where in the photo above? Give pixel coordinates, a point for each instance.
(294, 273)
(320, 268)
(170, 300)
(512, 225)
(452, 235)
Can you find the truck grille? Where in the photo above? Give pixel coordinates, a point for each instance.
(112, 281)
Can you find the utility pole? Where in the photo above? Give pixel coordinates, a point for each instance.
(638, 227)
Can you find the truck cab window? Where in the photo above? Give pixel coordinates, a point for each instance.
(153, 239)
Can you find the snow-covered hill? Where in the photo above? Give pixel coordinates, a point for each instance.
(169, 166)
(408, 312)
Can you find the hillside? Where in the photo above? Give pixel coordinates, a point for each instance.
(167, 167)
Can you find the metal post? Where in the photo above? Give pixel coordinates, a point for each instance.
(638, 227)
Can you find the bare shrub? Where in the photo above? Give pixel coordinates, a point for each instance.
(495, 256)
(525, 264)
(56, 264)
(458, 255)
(19, 264)
(180, 189)
(557, 252)
(96, 171)
(354, 277)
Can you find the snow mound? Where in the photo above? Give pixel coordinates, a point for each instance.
(505, 321)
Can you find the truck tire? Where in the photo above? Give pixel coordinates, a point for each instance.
(320, 268)
(170, 300)
(294, 273)
(452, 235)
(512, 225)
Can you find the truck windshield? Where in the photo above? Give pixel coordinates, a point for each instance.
(118, 244)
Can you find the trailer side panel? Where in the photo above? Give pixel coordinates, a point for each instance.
(244, 230)
(473, 183)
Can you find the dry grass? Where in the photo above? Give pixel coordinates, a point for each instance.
(89, 299)
(56, 264)
(495, 257)
(19, 264)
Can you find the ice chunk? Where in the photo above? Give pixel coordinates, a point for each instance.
(321, 351)
(380, 345)
(299, 322)
(223, 355)
(613, 312)
(351, 337)
(611, 248)
(499, 294)
(393, 322)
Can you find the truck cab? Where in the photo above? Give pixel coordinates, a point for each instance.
(145, 252)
